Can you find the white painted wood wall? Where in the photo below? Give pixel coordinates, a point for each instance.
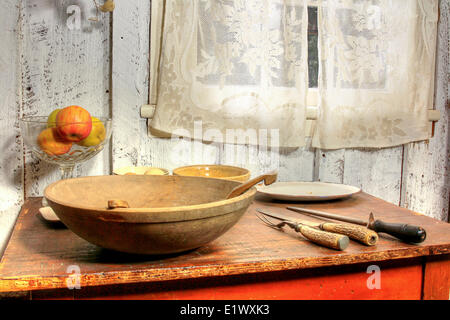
(105, 67)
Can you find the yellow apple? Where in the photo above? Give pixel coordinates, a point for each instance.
(96, 136)
(52, 144)
(51, 121)
(154, 171)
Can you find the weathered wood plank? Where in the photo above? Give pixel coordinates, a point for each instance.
(297, 164)
(292, 164)
(130, 69)
(377, 172)
(131, 143)
(11, 170)
(437, 278)
(173, 153)
(426, 184)
(329, 165)
(62, 66)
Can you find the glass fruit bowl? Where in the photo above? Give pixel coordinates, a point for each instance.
(46, 142)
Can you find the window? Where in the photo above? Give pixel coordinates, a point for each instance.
(313, 52)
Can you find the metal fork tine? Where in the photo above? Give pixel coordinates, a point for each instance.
(264, 220)
(268, 222)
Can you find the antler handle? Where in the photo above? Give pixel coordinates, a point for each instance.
(361, 234)
(324, 238)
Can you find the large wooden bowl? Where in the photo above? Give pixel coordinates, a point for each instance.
(167, 214)
(214, 171)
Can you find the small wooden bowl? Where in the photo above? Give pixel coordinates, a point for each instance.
(214, 171)
(140, 171)
(166, 214)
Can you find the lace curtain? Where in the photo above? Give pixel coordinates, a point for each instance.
(376, 72)
(221, 65)
(230, 65)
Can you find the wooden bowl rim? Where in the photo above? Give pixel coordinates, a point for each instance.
(245, 171)
(177, 209)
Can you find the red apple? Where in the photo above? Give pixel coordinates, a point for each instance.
(51, 143)
(73, 123)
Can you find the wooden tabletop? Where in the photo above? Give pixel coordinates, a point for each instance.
(42, 255)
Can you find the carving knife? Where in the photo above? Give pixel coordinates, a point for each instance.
(404, 232)
(324, 238)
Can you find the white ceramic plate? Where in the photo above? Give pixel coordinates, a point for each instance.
(307, 191)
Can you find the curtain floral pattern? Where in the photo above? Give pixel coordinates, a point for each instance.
(376, 72)
(232, 65)
(242, 64)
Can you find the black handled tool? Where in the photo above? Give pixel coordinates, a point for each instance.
(404, 232)
(324, 238)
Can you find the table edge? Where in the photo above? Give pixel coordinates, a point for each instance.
(36, 282)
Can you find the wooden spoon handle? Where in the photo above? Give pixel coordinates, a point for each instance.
(268, 178)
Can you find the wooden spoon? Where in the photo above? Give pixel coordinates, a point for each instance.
(268, 178)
